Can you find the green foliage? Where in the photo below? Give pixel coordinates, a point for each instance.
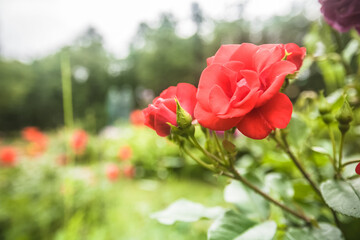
(342, 196)
(324, 231)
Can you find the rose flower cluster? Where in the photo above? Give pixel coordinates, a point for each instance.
(240, 87)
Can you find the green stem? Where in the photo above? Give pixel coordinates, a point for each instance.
(341, 152)
(222, 154)
(202, 163)
(67, 91)
(350, 162)
(287, 150)
(331, 134)
(237, 176)
(297, 163)
(206, 153)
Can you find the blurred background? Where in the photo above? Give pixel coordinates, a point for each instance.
(76, 159)
(122, 53)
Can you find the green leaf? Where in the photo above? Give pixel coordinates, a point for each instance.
(262, 231)
(246, 200)
(229, 146)
(298, 131)
(343, 197)
(235, 226)
(186, 211)
(325, 231)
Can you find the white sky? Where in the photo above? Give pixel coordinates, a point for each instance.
(34, 28)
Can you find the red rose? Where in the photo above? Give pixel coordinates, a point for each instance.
(8, 156)
(112, 172)
(38, 140)
(125, 153)
(163, 108)
(240, 88)
(79, 141)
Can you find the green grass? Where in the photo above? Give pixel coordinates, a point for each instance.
(128, 205)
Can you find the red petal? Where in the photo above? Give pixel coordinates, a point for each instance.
(210, 60)
(168, 93)
(186, 94)
(254, 125)
(273, 78)
(209, 120)
(224, 53)
(245, 55)
(276, 113)
(163, 116)
(265, 57)
(219, 101)
(214, 74)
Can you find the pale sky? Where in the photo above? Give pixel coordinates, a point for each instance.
(34, 28)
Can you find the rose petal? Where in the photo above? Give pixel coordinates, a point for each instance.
(273, 78)
(245, 55)
(209, 120)
(224, 53)
(276, 113)
(186, 94)
(214, 74)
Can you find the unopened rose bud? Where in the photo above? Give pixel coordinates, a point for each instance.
(344, 117)
(324, 106)
(345, 114)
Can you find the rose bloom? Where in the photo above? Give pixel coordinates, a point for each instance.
(240, 88)
(163, 108)
(129, 171)
(125, 153)
(137, 118)
(341, 14)
(112, 172)
(38, 140)
(8, 156)
(79, 141)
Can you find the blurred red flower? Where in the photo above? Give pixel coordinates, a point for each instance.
(8, 156)
(125, 152)
(112, 172)
(137, 118)
(129, 171)
(38, 140)
(79, 141)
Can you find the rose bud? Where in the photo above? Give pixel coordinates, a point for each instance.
(162, 112)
